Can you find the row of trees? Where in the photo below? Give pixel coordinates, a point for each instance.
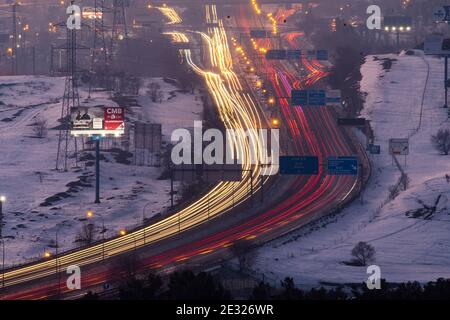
(186, 285)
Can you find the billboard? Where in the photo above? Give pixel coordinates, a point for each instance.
(102, 121)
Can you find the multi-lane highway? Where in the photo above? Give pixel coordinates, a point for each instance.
(311, 131)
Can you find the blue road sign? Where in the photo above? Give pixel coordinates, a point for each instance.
(374, 149)
(276, 55)
(299, 165)
(299, 97)
(293, 54)
(317, 98)
(312, 97)
(322, 55)
(343, 166)
(258, 34)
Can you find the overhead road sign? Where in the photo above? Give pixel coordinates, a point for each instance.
(311, 97)
(334, 98)
(322, 55)
(276, 55)
(299, 165)
(399, 147)
(318, 54)
(342, 166)
(293, 54)
(259, 34)
(353, 122)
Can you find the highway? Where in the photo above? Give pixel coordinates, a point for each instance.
(310, 131)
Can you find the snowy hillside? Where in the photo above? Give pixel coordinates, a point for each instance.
(41, 201)
(410, 233)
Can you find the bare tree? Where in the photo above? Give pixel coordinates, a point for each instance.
(40, 127)
(363, 253)
(441, 141)
(155, 91)
(245, 255)
(86, 235)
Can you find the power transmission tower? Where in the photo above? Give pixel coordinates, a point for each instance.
(99, 53)
(119, 27)
(67, 145)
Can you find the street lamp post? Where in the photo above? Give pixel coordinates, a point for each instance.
(2, 199)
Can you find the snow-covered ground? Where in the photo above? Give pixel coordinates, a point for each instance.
(28, 178)
(408, 246)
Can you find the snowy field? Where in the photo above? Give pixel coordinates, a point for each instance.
(41, 201)
(410, 233)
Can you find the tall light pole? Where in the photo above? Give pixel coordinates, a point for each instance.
(89, 215)
(2, 199)
(398, 25)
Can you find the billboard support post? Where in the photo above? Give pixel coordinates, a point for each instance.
(445, 80)
(262, 189)
(97, 170)
(171, 189)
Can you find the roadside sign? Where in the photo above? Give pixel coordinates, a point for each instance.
(374, 149)
(441, 14)
(354, 122)
(299, 165)
(259, 34)
(399, 147)
(276, 55)
(342, 166)
(312, 97)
